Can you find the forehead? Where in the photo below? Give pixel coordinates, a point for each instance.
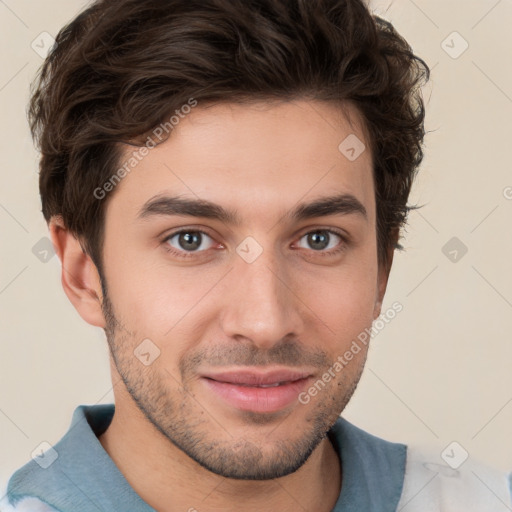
(275, 155)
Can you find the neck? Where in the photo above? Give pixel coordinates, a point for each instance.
(168, 480)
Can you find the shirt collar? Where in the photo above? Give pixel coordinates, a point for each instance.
(84, 477)
(373, 469)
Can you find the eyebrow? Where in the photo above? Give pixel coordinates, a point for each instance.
(342, 204)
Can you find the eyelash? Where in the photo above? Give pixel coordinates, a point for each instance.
(191, 254)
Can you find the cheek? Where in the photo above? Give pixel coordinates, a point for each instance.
(345, 301)
(155, 299)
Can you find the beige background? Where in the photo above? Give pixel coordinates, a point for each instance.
(441, 371)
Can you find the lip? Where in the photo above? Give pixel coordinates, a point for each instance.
(242, 389)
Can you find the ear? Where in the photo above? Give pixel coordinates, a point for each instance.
(383, 275)
(79, 277)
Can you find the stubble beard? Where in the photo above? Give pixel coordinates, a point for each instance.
(189, 426)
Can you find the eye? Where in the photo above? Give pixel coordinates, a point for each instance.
(187, 241)
(321, 239)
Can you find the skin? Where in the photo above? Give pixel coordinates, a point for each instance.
(178, 444)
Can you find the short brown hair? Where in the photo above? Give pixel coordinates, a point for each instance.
(122, 67)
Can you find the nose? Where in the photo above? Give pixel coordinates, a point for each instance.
(259, 303)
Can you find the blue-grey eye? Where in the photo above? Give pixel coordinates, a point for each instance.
(189, 241)
(321, 240)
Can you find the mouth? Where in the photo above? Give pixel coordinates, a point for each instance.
(264, 392)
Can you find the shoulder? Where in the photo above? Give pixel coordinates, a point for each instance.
(452, 481)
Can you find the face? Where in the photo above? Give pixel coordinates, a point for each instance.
(240, 260)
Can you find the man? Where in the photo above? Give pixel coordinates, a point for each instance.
(225, 182)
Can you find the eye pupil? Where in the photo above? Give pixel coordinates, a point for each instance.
(318, 240)
(189, 240)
